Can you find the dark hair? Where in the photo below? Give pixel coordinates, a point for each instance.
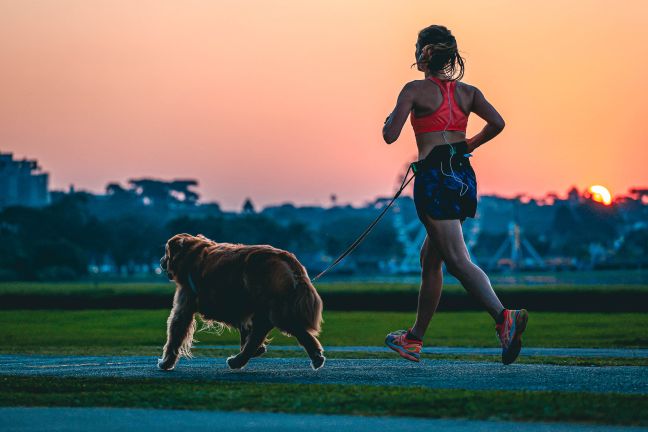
(436, 51)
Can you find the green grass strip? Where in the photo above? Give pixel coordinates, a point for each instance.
(123, 328)
(326, 399)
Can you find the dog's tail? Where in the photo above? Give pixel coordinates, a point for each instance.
(308, 303)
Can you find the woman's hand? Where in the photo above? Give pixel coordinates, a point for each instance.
(494, 121)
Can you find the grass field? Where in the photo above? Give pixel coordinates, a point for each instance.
(142, 332)
(326, 399)
(115, 330)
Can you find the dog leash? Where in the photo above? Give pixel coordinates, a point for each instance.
(364, 234)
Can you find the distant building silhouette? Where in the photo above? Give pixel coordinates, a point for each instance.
(573, 196)
(22, 183)
(248, 207)
(333, 200)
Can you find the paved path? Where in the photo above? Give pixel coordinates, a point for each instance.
(549, 352)
(128, 419)
(428, 373)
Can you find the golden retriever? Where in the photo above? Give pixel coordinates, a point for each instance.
(252, 288)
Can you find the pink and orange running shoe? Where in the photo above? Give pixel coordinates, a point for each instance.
(510, 333)
(409, 349)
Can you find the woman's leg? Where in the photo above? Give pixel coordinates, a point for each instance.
(431, 285)
(447, 238)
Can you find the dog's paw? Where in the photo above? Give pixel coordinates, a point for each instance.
(318, 362)
(165, 365)
(235, 363)
(262, 350)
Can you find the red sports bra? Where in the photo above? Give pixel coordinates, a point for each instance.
(447, 117)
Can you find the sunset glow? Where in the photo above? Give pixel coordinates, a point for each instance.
(286, 101)
(600, 194)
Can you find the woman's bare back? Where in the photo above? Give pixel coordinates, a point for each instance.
(424, 97)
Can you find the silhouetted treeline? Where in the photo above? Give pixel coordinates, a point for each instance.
(67, 239)
(123, 231)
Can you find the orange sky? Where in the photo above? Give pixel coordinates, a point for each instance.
(285, 100)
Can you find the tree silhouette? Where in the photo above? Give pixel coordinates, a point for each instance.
(162, 193)
(248, 207)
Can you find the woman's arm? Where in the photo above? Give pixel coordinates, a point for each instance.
(394, 123)
(494, 121)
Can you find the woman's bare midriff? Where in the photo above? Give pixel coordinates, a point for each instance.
(427, 141)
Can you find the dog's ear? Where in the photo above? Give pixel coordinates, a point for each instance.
(177, 243)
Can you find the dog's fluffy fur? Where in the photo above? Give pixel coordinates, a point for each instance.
(253, 288)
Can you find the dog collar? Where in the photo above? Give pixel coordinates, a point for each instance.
(192, 285)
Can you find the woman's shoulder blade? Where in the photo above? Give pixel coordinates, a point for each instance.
(466, 86)
(413, 84)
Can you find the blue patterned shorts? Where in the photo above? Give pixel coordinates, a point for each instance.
(438, 189)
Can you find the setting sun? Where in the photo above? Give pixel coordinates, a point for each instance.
(600, 194)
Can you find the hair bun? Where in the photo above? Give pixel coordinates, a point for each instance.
(439, 52)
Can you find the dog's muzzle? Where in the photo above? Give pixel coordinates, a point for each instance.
(164, 262)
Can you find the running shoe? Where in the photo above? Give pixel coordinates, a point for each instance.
(510, 333)
(407, 348)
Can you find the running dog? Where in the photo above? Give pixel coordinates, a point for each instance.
(252, 288)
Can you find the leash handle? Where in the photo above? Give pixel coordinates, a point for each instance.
(367, 230)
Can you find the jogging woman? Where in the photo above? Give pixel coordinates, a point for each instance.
(445, 187)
